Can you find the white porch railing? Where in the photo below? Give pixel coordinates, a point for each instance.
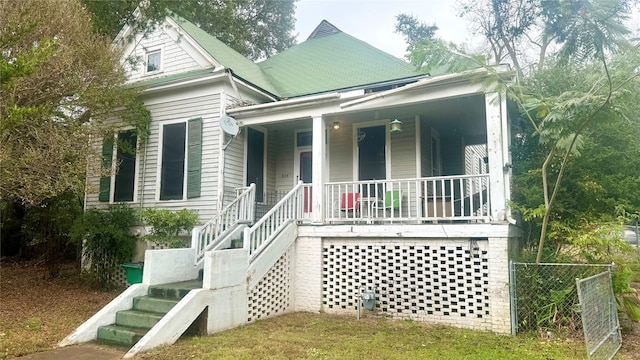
(239, 211)
(290, 208)
(464, 197)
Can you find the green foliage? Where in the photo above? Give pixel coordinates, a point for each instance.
(414, 30)
(168, 228)
(60, 84)
(107, 241)
(254, 28)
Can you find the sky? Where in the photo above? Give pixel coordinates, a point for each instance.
(373, 21)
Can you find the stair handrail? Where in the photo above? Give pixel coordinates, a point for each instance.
(209, 235)
(287, 210)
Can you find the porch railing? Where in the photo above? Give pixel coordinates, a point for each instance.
(290, 208)
(239, 211)
(463, 197)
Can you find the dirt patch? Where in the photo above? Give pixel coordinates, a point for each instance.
(36, 312)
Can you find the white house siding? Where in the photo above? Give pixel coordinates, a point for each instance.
(403, 151)
(425, 148)
(166, 108)
(284, 151)
(174, 58)
(341, 153)
(234, 157)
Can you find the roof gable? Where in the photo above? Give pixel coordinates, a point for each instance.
(226, 56)
(325, 28)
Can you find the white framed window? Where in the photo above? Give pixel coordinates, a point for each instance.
(180, 154)
(119, 154)
(154, 61)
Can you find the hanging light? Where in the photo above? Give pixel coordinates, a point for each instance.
(336, 125)
(396, 126)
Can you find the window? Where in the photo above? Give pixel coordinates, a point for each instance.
(153, 60)
(123, 146)
(304, 138)
(181, 155)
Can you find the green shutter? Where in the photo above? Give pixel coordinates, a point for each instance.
(107, 158)
(194, 158)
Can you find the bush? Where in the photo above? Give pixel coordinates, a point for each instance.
(169, 229)
(107, 241)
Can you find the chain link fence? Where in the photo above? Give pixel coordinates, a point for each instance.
(599, 316)
(545, 298)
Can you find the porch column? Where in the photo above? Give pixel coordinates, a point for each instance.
(497, 164)
(318, 166)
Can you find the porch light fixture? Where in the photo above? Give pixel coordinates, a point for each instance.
(396, 126)
(336, 125)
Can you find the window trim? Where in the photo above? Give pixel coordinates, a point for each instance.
(114, 160)
(146, 60)
(185, 176)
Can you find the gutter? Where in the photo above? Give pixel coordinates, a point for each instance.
(443, 79)
(284, 104)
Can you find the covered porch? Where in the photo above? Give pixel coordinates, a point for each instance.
(449, 160)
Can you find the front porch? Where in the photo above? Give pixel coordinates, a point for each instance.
(449, 161)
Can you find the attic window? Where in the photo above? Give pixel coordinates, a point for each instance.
(153, 60)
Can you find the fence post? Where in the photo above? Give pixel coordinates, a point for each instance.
(512, 297)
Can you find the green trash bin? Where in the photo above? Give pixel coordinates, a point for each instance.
(133, 272)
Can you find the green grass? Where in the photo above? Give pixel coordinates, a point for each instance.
(315, 336)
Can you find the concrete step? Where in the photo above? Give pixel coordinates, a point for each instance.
(153, 304)
(137, 319)
(131, 325)
(120, 335)
(175, 291)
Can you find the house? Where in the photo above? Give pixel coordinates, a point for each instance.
(346, 174)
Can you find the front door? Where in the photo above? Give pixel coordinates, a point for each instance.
(372, 164)
(305, 167)
(306, 177)
(255, 161)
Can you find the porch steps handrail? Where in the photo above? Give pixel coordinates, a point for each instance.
(287, 210)
(209, 235)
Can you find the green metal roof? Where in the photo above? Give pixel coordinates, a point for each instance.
(332, 62)
(329, 60)
(225, 55)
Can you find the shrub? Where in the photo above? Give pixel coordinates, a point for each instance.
(169, 229)
(107, 240)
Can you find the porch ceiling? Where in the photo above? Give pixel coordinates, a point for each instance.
(459, 116)
(452, 117)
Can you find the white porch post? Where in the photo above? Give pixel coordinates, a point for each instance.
(495, 150)
(318, 166)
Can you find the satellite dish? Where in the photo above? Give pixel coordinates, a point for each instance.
(229, 125)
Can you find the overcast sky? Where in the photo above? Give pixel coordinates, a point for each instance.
(373, 21)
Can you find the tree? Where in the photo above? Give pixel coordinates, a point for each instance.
(588, 81)
(60, 84)
(254, 28)
(519, 29)
(413, 30)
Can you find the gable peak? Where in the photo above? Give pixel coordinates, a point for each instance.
(324, 29)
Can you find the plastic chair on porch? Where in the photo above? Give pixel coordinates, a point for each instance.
(350, 204)
(392, 200)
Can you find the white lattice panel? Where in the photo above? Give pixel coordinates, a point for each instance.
(433, 280)
(272, 294)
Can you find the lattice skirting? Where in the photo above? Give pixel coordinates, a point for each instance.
(272, 295)
(443, 281)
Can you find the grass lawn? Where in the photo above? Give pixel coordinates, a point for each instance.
(36, 313)
(322, 336)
